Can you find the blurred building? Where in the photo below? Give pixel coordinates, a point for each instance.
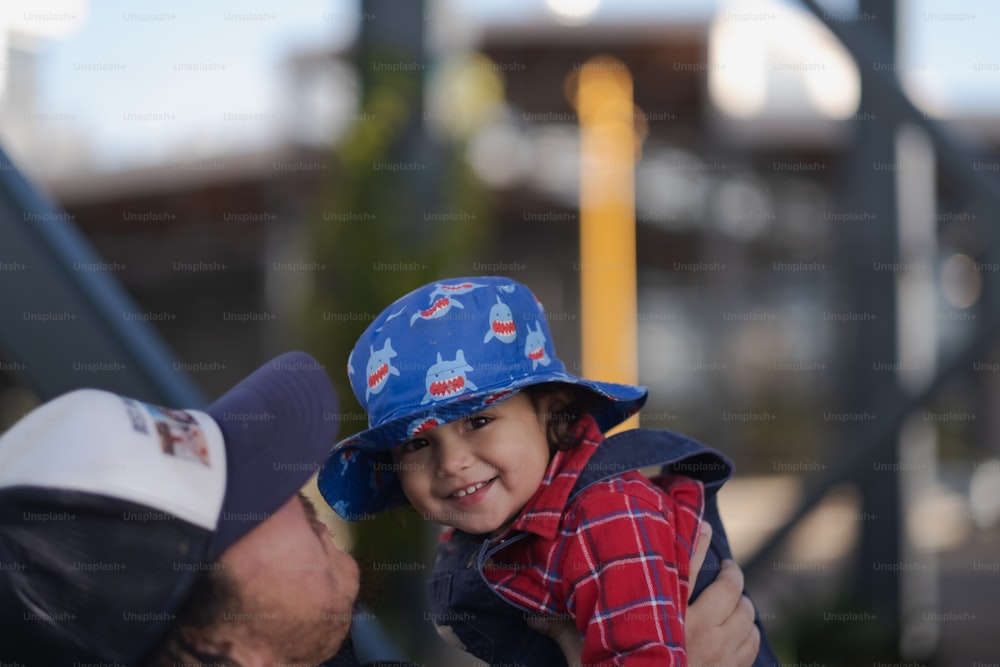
(211, 246)
(735, 218)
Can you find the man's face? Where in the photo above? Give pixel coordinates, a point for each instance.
(296, 587)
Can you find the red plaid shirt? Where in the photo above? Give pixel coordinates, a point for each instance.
(616, 560)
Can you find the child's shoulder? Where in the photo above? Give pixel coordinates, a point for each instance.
(677, 453)
(633, 490)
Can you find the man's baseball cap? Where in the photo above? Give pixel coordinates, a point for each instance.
(445, 351)
(110, 507)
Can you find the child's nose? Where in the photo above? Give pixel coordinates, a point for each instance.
(453, 458)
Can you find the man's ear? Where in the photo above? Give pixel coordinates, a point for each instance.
(230, 641)
(204, 642)
(241, 653)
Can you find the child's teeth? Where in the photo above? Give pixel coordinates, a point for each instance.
(471, 489)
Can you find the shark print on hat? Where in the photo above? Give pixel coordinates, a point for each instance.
(455, 288)
(345, 458)
(391, 317)
(422, 425)
(501, 324)
(439, 308)
(534, 347)
(379, 368)
(497, 397)
(446, 379)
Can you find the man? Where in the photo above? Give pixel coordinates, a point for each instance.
(115, 550)
(104, 533)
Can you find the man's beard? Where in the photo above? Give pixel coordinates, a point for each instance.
(371, 583)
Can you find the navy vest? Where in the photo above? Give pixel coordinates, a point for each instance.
(495, 630)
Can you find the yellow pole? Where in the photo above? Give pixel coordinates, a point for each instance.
(607, 222)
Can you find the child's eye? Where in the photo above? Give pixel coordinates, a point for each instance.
(478, 421)
(413, 445)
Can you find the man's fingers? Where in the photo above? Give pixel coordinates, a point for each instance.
(740, 632)
(741, 619)
(720, 626)
(744, 617)
(700, 551)
(564, 633)
(732, 573)
(726, 590)
(748, 650)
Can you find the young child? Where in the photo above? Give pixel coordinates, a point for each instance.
(476, 423)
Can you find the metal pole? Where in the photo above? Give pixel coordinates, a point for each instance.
(607, 222)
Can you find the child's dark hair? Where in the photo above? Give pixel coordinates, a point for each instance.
(569, 402)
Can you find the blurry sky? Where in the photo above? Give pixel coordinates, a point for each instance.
(114, 60)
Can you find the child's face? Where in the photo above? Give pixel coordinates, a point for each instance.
(477, 473)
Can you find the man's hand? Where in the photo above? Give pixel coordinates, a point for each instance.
(564, 634)
(719, 626)
(699, 553)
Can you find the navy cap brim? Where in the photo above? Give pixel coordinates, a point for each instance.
(278, 424)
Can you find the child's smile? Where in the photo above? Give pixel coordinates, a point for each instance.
(477, 473)
(471, 494)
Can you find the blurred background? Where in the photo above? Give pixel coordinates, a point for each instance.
(811, 187)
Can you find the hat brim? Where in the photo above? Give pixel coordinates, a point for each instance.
(359, 480)
(278, 424)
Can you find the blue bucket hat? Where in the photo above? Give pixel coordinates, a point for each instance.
(445, 351)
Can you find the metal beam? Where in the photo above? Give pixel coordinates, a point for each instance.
(65, 319)
(875, 59)
(869, 47)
